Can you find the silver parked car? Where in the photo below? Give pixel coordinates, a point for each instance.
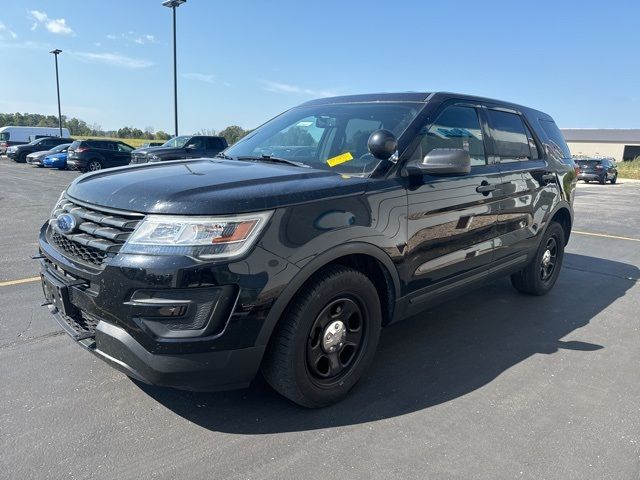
(36, 158)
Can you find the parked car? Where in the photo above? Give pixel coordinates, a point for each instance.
(92, 155)
(597, 169)
(196, 274)
(36, 158)
(18, 153)
(151, 144)
(188, 146)
(56, 160)
(11, 135)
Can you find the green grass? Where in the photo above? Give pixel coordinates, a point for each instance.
(629, 169)
(134, 142)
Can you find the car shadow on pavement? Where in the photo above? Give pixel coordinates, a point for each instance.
(440, 355)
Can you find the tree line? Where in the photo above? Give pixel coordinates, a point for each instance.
(79, 127)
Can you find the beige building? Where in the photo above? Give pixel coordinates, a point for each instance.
(618, 143)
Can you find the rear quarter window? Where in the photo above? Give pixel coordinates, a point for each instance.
(555, 136)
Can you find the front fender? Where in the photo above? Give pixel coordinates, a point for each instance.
(311, 267)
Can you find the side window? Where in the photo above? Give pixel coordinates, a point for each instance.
(533, 146)
(555, 136)
(509, 135)
(214, 144)
(195, 143)
(124, 148)
(456, 127)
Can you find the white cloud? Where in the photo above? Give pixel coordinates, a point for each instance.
(295, 89)
(134, 37)
(113, 59)
(5, 31)
(53, 25)
(201, 77)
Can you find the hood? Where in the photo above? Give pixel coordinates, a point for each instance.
(210, 187)
(145, 150)
(38, 154)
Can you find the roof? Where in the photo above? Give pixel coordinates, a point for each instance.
(417, 97)
(602, 135)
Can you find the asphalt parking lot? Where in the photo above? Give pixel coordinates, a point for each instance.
(494, 385)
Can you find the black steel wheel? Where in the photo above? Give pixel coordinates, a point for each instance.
(540, 275)
(335, 340)
(549, 259)
(326, 339)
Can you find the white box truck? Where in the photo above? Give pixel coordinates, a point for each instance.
(11, 135)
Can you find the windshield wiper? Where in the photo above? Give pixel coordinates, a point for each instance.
(269, 158)
(223, 155)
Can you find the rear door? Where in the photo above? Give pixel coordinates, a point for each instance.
(452, 220)
(528, 184)
(213, 146)
(123, 153)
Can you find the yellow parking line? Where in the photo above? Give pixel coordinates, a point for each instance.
(606, 236)
(18, 282)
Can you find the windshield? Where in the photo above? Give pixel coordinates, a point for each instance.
(4, 136)
(177, 142)
(329, 137)
(60, 148)
(588, 163)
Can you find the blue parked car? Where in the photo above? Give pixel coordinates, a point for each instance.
(56, 160)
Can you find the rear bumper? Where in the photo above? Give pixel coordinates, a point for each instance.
(590, 176)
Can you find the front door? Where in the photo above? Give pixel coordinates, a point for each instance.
(451, 219)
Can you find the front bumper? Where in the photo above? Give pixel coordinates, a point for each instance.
(34, 161)
(109, 315)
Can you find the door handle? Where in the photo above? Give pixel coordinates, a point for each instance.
(549, 178)
(485, 188)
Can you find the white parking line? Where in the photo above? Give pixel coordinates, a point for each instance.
(605, 236)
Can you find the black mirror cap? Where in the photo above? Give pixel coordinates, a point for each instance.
(382, 144)
(444, 161)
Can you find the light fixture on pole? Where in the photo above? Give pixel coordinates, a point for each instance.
(173, 4)
(57, 52)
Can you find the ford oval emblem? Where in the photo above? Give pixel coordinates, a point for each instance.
(66, 223)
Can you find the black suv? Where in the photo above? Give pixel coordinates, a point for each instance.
(197, 274)
(93, 155)
(177, 148)
(18, 153)
(597, 169)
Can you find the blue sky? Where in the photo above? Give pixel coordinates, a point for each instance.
(242, 62)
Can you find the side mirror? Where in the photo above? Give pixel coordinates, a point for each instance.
(443, 161)
(382, 144)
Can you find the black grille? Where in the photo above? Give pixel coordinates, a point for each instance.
(138, 158)
(83, 324)
(77, 251)
(99, 234)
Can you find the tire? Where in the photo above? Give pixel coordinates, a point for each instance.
(22, 158)
(536, 278)
(614, 179)
(303, 361)
(603, 179)
(586, 181)
(93, 166)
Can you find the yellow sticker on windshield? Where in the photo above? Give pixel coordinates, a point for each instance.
(345, 157)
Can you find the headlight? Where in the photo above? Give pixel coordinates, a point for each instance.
(153, 158)
(204, 238)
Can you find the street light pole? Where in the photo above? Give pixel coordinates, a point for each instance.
(173, 4)
(57, 52)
